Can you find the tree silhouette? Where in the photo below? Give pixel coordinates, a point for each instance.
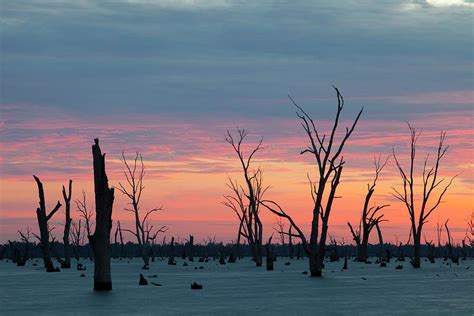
(370, 215)
(43, 219)
(66, 263)
(100, 240)
(77, 238)
(430, 182)
(329, 160)
(133, 189)
(245, 201)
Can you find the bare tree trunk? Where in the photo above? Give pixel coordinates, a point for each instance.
(269, 253)
(416, 261)
(100, 240)
(43, 227)
(454, 258)
(258, 254)
(379, 232)
(430, 182)
(66, 264)
(191, 248)
(290, 245)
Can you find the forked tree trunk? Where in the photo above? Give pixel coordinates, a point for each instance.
(66, 264)
(100, 240)
(43, 226)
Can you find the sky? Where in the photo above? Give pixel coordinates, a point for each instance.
(168, 78)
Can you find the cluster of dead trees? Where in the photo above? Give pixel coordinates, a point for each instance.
(247, 200)
(75, 232)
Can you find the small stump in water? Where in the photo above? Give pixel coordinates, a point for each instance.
(142, 281)
(196, 286)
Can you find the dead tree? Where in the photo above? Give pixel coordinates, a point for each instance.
(245, 200)
(449, 243)
(439, 231)
(430, 182)
(269, 253)
(100, 240)
(290, 244)
(381, 244)
(77, 239)
(330, 162)
(280, 230)
(470, 230)
(66, 264)
(87, 215)
(17, 256)
(431, 250)
(370, 215)
(133, 189)
(118, 234)
(334, 256)
(43, 226)
(190, 245)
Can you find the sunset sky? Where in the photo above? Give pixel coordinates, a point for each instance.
(167, 78)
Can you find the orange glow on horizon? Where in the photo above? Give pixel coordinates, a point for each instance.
(189, 179)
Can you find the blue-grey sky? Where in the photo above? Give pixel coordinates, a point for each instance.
(234, 57)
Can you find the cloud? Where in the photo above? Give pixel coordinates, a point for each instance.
(94, 57)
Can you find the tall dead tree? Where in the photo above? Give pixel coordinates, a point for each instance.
(67, 227)
(329, 161)
(133, 189)
(430, 182)
(43, 219)
(245, 200)
(370, 215)
(100, 240)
